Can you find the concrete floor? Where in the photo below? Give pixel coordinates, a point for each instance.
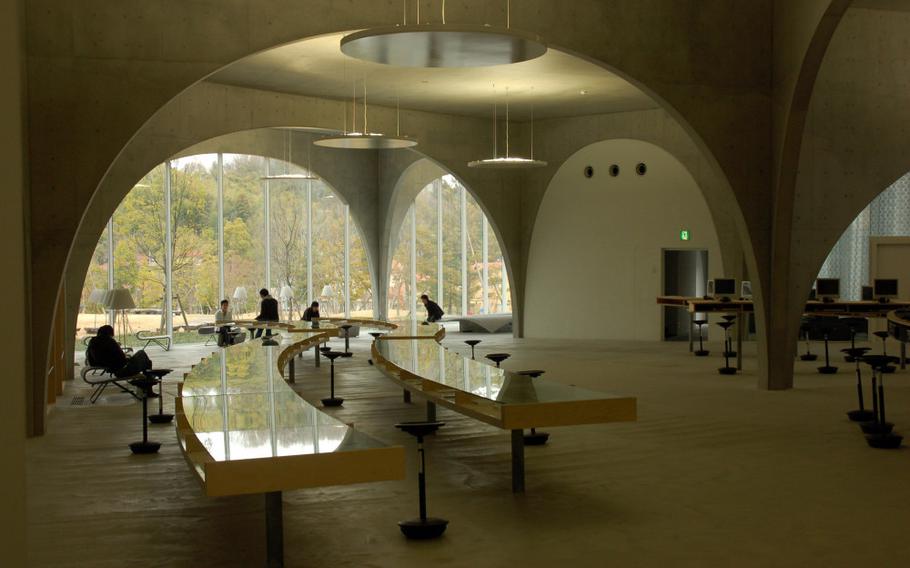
(714, 473)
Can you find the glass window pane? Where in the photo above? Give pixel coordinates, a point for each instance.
(288, 211)
(451, 246)
(361, 285)
(425, 207)
(475, 256)
(328, 250)
(244, 232)
(92, 313)
(400, 274)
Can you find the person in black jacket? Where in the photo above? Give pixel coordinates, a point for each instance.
(311, 312)
(268, 311)
(104, 351)
(434, 312)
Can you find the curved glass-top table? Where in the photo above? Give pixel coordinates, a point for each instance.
(244, 430)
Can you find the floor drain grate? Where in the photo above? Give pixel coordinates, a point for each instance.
(78, 401)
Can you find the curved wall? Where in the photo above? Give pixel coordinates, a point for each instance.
(594, 266)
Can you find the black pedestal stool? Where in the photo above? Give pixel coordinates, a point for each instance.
(861, 414)
(728, 346)
(498, 358)
(827, 368)
(726, 369)
(854, 325)
(879, 432)
(158, 375)
(884, 337)
(473, 343)
(702, 352)
(144, 384)
(423, 527)
(805, 329)
(376, 335)
(535, 438)
(347, 339)
(332, 400)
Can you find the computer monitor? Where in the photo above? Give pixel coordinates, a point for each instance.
(885, 288)
(827, 288)
(868, 294)
(724, 287)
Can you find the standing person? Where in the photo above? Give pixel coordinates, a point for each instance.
(311, 312)
(434, 312)
(225, 318)
(268, 311)
(104, 351)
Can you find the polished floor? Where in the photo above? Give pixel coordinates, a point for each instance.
(714, 473)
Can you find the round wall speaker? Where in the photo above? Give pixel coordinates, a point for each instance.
(614, 170)
(589, 172)
(641, 169)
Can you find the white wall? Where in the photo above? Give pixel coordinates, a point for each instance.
(594, 266)
(13, 297)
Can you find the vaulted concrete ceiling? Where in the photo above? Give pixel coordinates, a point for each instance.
(557, 84)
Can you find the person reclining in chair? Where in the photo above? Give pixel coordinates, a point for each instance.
(104, 351)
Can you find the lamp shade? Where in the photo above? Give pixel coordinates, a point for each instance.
(327, 291)
(240, 293)
(97, 296)
(120, 299)
(286, 292)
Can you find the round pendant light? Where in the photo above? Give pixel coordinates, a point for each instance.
(288, 176)
(443, 45)
(366, 140)
(507, 162)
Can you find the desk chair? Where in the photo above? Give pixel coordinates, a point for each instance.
(884, 337)
(879, 432)
(805, 328)
(728, 348)
(726, 369)
(423, 527)
(158, 375)
(827, 368)
(860, 415)
(854, 325)
(332, 401)
(535, 438)
(144, 384)
(702, 352)
(473, 343)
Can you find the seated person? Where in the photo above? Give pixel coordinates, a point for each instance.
(434, 312)
(311, 312)
(104, 351)
(224, 317)
(268, 312)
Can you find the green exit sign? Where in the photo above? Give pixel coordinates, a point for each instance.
(684, 234)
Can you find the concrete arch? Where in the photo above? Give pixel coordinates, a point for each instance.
(410, 182)
(92, 94)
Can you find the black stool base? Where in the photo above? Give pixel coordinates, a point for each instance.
(827, 370)
(536, 438)
(808, 357)
(161, 418)
(887, 441)
(419, 529)
(861, 415)
(332, 401)
(702, 353)
(145, 447)
(876, 428)
(727, 370)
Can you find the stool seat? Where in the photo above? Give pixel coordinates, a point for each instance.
(376, 334)
(325, 349)
(729, 317)
(498, 357)
(332, 355)
(879, 361)
(472, 342)
(144, 383)
(533, 373)
(725, 324)
(419, 428)
(881, 334)
(856, 352)
(700, 322)
(157, 373)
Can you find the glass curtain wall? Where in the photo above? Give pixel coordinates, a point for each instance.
(447, 250)
(887, 216)
(228, 233)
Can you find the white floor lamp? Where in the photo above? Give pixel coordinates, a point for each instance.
(120, 300)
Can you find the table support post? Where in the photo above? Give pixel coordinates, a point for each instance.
(316, 350)
(274, 529)
(740, 324)
(903, 355)
(292, 375)
(431, 411)
(691, 323)
(407, 396)
(518, 461)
